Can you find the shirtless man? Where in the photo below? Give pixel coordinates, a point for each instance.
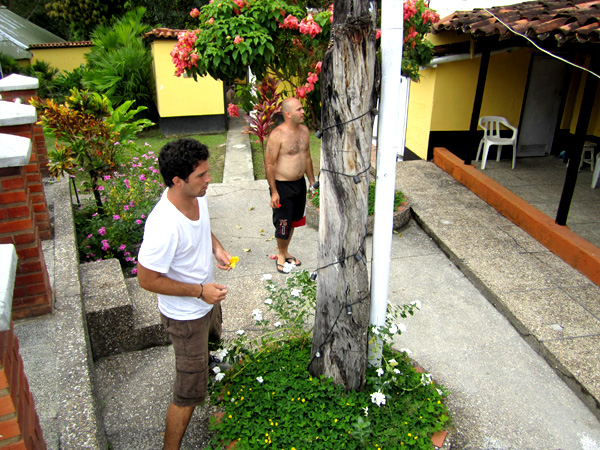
(287, 160)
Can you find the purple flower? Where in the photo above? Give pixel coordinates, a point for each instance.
(89, 236)
(116, 217)
(139, 222)
(122, 247)
(106, 177)
(125, 207)
(105, 245)
(116, 143)
(100, 188)
(143, 216)
(127, 253)
(133, 271)
(95, 214)
(142, 177)
(147, 145)
(102, 231)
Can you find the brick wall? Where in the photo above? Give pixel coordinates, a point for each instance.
(32, 293)
(19, 423)
(39, 155)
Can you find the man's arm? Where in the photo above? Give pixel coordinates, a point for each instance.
(221, 255)
(273, 146)
(161, 284)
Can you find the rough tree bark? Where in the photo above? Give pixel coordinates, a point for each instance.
(349, 96)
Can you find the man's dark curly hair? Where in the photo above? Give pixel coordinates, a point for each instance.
(180, 158)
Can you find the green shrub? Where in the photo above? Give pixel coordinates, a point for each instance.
(270, 400)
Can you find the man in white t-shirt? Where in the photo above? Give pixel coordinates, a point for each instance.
(176, 262)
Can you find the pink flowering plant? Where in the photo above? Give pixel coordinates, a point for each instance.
(128, 194)
(270, 400)
(417, 51)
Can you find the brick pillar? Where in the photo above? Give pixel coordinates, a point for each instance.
(22, 88)
(32, 293)
(19, 423)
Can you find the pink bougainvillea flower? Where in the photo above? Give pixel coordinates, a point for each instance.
(183, 55)
(318, 67)
(290, 22)
(301, 92)
(238, 39)
(194, 13)
(312, 78)
(102, 231)
(309, 26)
(378, 34)
(309, 87)
(210, 21)
(233, 110)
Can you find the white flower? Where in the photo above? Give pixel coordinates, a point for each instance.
(257, 315)
(417, 304)
(425, 379)
(392, 362)
(295, 293)
(376, 330)
(366, 409)
(268, 301)
(221, 354)
(266, 277)
(378, 398)
(405, 350)
(277, 324)
(393, 329)
(216, 369)
(219, 376)
(259, 379)
(240, 332)
(397, 372)
(287, 267)
(380, 372)
(439, 391)
(402, 327)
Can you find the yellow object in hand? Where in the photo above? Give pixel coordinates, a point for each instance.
(233, 261)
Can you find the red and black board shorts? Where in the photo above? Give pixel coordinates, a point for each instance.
(292, 213)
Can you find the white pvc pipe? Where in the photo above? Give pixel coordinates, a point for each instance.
(390, 115)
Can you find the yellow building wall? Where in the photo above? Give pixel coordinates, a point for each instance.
(420, 110)
(64, 59)
(182, 96)
(505, 85)
(455, 85)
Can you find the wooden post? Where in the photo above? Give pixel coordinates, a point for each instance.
(349, 95)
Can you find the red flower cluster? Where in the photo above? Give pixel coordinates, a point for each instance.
(311, 80)
(182, 54)
(305, 26)
(233, 110)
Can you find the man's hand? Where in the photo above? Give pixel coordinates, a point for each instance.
(275, 200)
(214, 293)
(222, 258)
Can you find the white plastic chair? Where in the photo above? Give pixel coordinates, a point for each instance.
(491, 136)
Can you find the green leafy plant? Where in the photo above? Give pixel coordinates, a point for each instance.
(399, 197)
(120, 63)
(87, 130)
(269, 399)
(128, 196)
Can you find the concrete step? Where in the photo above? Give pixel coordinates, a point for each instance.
(118, 320)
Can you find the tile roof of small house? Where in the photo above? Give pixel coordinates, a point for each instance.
(163, 33)
(62, 44)
(562, 20)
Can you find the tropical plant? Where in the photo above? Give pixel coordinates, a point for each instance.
(46, 75)
(261, 119)
(269, 399)
(119, 63)
(417, 50)
(87, 130)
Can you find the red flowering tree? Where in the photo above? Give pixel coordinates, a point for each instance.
(286, 38)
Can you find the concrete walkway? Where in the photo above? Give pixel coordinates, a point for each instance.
(503, 394)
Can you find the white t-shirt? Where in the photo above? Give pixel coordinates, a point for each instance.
(181, 249)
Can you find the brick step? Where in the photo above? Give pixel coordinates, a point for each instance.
(118, 320)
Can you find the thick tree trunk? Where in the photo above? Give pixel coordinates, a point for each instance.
(349, 95)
